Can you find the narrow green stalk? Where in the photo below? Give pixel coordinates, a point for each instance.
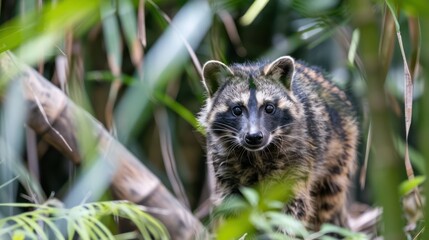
(386, 163)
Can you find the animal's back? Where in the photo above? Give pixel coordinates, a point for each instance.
(332, 124)
(264, 119)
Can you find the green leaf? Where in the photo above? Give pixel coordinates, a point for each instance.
(274, 204)
(408, 185)
(235, 227)
(251, 195)
(46, 27)
(288, 223)
(33, 226)
(49, 222)
(260, 222)
(329, 228)
(393, 9)
(83, 221)
(353, 47)
(415, 7)
(18, 235)
(230, 205)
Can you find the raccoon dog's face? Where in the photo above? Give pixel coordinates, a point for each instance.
(251, 105)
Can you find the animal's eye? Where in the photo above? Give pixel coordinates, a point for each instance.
(237, 111)
(269, 108)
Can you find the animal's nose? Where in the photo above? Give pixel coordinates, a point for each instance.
(254, 138)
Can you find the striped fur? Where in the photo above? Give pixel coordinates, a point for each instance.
(312, 130)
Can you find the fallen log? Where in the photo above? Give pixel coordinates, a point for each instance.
(53, 116)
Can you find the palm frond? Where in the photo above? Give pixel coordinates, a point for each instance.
(83, 221)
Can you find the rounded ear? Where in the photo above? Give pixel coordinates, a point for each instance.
(281, 69)
(215, 74)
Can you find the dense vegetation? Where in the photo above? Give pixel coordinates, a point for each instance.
(136, 66)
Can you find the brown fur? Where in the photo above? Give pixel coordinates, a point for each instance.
(313, 130)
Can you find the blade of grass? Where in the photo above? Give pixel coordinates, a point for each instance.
(408, 100)
(408, 93)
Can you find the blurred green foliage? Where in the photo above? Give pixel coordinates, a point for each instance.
(83, 221)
